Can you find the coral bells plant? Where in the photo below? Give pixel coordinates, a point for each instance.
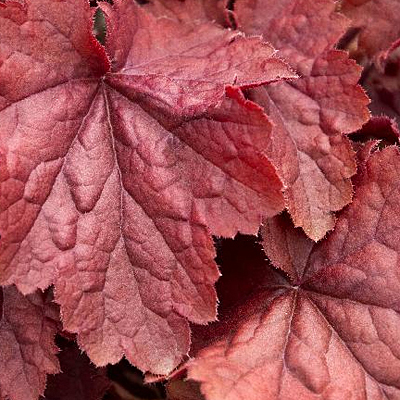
(210, 190)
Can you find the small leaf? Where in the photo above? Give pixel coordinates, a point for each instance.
(115, 173)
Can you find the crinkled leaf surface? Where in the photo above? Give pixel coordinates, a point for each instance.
(27, 348)
(191, 10)
(79, 380)
(331, 331)
(310, 114)
(113, 173)
(378, 22)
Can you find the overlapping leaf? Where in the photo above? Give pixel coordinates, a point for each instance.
(191, 10)
(113, 172)
(382, 82)
(27, 348)
(377, 23)
(311, 114)
(332, 329)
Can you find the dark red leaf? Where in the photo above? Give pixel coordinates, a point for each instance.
(310, 114)
(79, 380)
(379, 128)
(27, 348)
(112, 175)
(332, 329)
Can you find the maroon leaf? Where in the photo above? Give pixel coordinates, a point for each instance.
(382, 82)
(378, 22)
(332, 329)
(27, 348)
(79, 379)
(111, 177)
(182, 67)
(380, 128)
(183, 390)
(310, 114)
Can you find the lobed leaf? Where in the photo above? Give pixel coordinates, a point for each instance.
(310, 114)
(330, 330)
(115, 173)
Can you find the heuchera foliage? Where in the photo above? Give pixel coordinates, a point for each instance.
(114, 174)
(119, 161)
(330, 328)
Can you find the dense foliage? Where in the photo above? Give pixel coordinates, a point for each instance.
(206, 188)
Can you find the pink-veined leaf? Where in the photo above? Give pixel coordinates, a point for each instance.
(27, 348)
(329, 331)
(113, 175)
(191, 10)
(378, 128)
(310, 114)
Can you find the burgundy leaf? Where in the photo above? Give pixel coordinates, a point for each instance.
(378, 127)
(27, 348)
(114, 176)
(378, 22)
(310, 114)
(187, 67)
(332, 329)
(382, 82)
(79, 379)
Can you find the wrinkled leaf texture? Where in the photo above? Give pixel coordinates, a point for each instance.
(330, 329)
(28, 352)
(311, 114)
(377, 23)
(116, 166)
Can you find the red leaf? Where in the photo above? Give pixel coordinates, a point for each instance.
(378, 22)
(382, 128)
(111, 179)
(332, 330)
(79, 379)
(312, 156)
(27, 348)
(190, 10)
